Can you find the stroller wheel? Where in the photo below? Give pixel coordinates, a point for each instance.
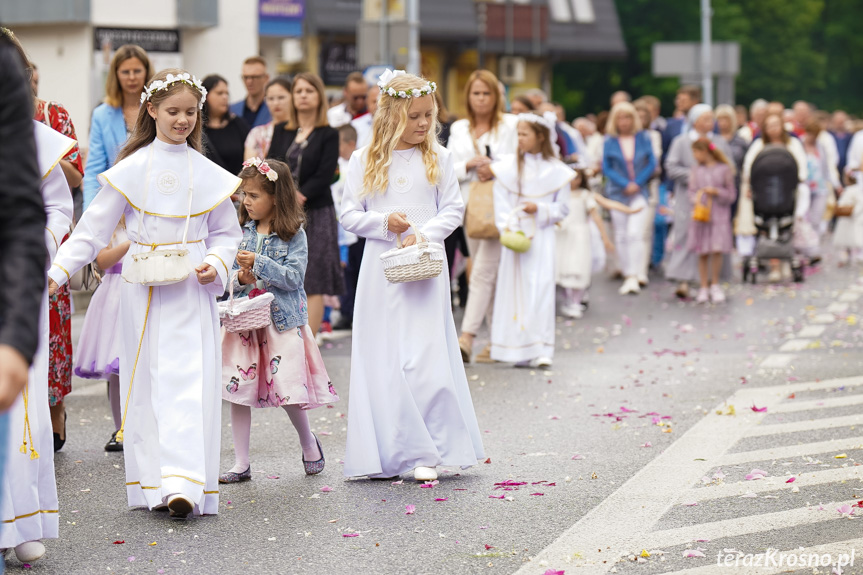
(797, 274)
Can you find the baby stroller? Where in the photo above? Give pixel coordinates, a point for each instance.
(774, 179)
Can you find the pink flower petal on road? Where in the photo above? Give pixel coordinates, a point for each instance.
(399, 482)
(553, 572)
(694, 552)
(429, 484)
(758, 409)
(690, 504)
(272, 476)
(442, 499)
(627, 410)
(791, 480)
(554, 417)
(410, 509)
(719, 475)
(845, 510)
(326, 489)
(577, 457)
(647, 444)
(350, 534)
(756, 474)
(537, 493)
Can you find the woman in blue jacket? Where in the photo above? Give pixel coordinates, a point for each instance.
(628, 163)
(114, 119)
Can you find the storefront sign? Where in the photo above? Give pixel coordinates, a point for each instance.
(281, 17)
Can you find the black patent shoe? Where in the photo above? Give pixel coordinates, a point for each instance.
(59, 443)
(113, 444)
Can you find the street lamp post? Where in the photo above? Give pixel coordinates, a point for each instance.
(706, 53)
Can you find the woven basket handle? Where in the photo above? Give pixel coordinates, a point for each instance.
(420, 237)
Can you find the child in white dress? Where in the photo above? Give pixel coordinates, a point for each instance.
(574, 245)
(848, 236)
(178, 214)
(531, 195)
(410, 407)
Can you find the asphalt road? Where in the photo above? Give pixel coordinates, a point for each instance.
(625, 458)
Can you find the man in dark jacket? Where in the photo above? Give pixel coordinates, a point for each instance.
(23, 255)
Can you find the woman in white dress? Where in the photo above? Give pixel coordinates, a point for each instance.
(410, 406)
(171, 424)
(531, 194)
(29, 489)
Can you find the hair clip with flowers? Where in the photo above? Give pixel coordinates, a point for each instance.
(170, 80)
(711, 146)
(263, 168)
(389, 75)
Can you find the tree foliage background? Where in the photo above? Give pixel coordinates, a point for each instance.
(790, 50)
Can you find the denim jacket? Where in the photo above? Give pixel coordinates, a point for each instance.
(281, 266)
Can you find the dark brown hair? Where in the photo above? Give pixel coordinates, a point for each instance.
(785, 137)
(289, 216)
(546, 148)
(691, 90)
(145, 126)
(318, 85)
(113, 89)
(705, 145)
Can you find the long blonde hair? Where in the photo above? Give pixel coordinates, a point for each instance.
(113, 89)
(390, 122)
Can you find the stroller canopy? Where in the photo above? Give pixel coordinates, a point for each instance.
(774, 178)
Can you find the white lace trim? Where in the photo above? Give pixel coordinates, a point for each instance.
(408, 256)
(419, 214)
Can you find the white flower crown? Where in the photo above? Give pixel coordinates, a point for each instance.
(389, 75)
(263, 168)
(548, 119)
(170, 80)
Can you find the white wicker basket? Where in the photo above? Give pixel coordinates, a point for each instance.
(244, 314)
(421, 261)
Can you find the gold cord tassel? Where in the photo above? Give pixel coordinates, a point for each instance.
(28, 432)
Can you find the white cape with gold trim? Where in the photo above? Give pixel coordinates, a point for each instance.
(29, 489)
(522, 326)
(170, 356)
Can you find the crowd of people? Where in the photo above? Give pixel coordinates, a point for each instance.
(288, 206)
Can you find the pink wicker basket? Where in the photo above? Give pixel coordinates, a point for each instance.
(245, 314)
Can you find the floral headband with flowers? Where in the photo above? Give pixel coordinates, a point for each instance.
(169, 81)
(390, 75)
(263, 168)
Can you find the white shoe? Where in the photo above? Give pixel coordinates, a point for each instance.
(716, 294)
(541, 363)
(180, 506)
(30, 552)
(425, 474)
(572, 310)
(775, 276)
(703, 296)
(630, 285)
(642, 280)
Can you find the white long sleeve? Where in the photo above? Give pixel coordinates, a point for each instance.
(57, 198)
(93, 232)
(548, 214)
(450, 205)
(223, 236)
(355, 217)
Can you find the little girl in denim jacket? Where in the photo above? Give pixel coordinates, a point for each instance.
(279, 365)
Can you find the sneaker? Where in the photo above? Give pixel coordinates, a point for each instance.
(180, 506)
(30, 552)
(234, 477)
(703, 296)
(425, 474)
(716, 294)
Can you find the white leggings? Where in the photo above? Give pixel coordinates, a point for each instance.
(629, 237)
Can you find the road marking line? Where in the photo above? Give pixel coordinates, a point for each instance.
(790, 452)
(663, 482)
(794, 345)
(837, 307)
(777, 360)
(793, 405)
(811, 331)
(835, 549)
(826, 423)
(741, 526)
(774, 483)
(849, 296)
(823, 318)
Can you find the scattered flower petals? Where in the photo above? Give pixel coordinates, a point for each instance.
(690, 504)
(119, 542)
(758, 409)
(131, 559)
(399, 482)
(487, 460)
(350, 534)
(554, 417)
(442, 499)
(840, 456)
(577, 457)
(496, 496)
(646, 444)
(756, 474)
(645, 553)
(791, 480)
(272, 476)
(429, 484)
(410, 509)
(537, 493)
(326, 489)
(698, 552)
(553, 572)
(845, 510)
(487, 546)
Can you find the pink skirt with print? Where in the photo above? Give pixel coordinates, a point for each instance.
(265, 368)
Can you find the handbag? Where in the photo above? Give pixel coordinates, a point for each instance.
(517, 241)
(479, 217)
(421, 261)
(160, 267)
(701, 212)
(87, 278)
(245, 313)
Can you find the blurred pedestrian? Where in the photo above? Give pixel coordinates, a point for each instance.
(277, 96)
(354, 103)
(310, 147)
(628, 164)
(687, 96)
(253, 109)
(752, 129)
(114, 119)
(363, 124)
(486, 135)
(520, 105)
(840, 129)
(224, 132)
